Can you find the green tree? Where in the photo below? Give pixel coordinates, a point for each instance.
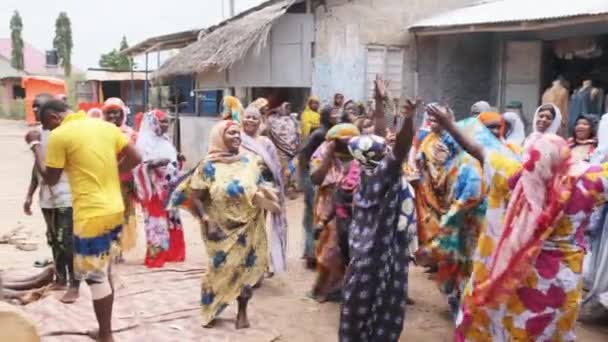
(63, 42)
(17, 42)
(115, 59)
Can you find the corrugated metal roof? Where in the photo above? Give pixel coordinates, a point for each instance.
(511, 11)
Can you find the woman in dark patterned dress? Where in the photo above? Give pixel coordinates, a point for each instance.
(375, 287)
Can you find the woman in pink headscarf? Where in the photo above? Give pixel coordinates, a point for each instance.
(526, 283)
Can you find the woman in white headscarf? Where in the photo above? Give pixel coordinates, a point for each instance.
(479, 107)
(153, 180)
(547, 119)
(516, 131)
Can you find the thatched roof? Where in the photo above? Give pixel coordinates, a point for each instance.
(222, 45)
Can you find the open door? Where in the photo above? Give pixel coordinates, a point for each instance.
(522, 76)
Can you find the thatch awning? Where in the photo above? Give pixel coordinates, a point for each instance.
(220, 46)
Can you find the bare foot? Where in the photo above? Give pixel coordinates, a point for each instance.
(241, 321)
(58, 287)
(70, 296)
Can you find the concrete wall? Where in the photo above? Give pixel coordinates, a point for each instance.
(343, 29)
(458, 69)
(194, 135)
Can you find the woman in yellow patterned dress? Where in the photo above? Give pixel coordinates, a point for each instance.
(526, 283)
(224, 192)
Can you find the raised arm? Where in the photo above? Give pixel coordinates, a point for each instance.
(405, 136)
(380, 124)
(468, 144)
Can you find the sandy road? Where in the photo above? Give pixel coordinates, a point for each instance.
(281, 300)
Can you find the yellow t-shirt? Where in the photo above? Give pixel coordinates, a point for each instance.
(87, 150)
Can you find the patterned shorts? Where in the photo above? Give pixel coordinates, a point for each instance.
(93, 242)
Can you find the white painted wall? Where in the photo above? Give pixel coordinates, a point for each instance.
(345, 27)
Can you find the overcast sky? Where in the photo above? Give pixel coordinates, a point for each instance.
(98, 25)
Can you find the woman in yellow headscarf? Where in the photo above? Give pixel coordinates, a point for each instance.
(310, 119)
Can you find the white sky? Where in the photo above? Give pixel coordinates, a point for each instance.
(98, 25)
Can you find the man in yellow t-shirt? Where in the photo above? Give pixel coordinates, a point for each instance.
(92, 152)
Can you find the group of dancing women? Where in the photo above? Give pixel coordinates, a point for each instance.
(501, 220)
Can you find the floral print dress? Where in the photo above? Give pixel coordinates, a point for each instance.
(375, 285)
(239, 259)
(450, 207)
(540, 298)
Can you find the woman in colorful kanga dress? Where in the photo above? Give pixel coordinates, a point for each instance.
(114, 111)
(283, 131)
(260, 145)
(449, 204)
(329, 166)
(384, 222)
(154, 178)
(226, 192)
(526, 283)
(547, 119)
(310, 119)
(329, 117)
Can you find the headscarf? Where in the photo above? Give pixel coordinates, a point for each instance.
(283, 109)
(593, 122)
(335, 97)
(310, 120)
(517, 132)
(480, 107)
(488, 118)
(368, 150)
(114, 103)
(259, 103)
(283, 131)
(557, 120)
(95, 113)
(233, 109)
(342, 131)
(326, 117)
(152, 143)
(252, 110)
(218, 151)
(541, 190)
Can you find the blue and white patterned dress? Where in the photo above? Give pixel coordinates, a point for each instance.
(384, 222)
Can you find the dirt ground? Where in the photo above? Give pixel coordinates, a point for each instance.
(280, 303)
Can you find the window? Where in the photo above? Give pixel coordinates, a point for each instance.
(387, 61)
